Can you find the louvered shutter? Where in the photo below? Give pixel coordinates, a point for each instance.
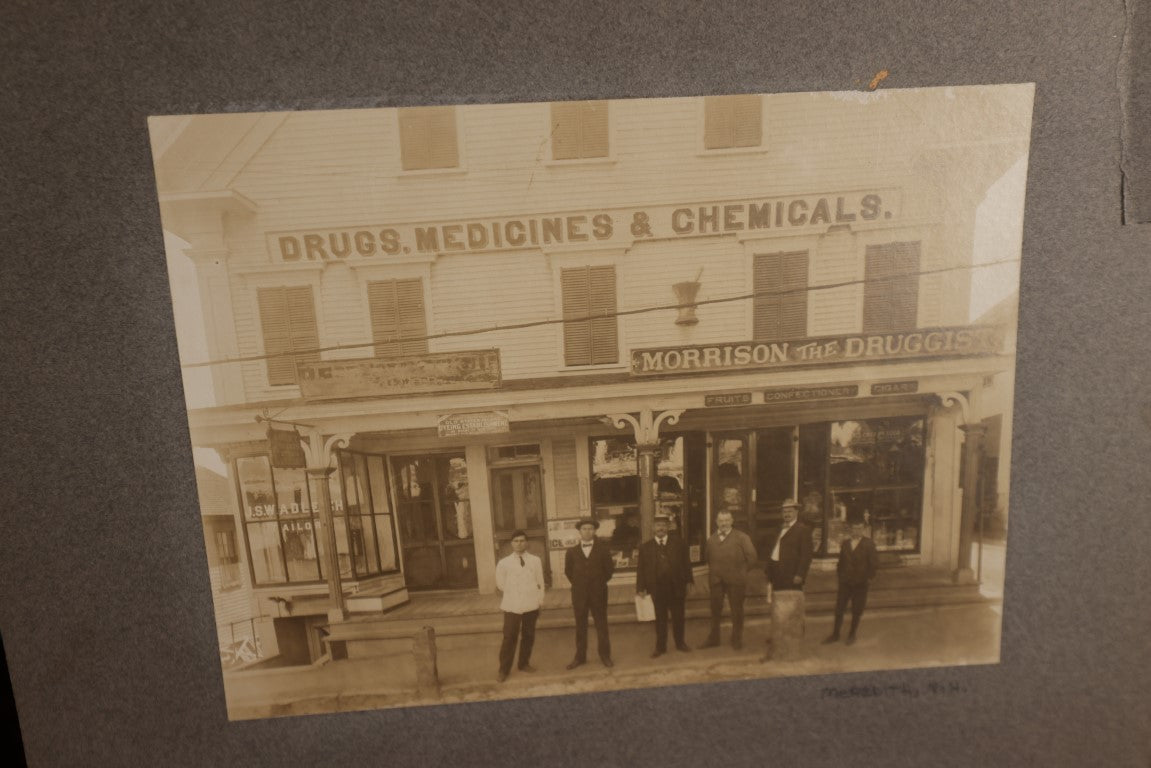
(766, 279)
(604, 336)
(747, 119)
(397, 316)
(288, 322)
(565, 130)
(793, 305)
(428, 138)
(905, 287)
(718, 122)
(444, 150)
(780, 304)
(576, 303)
(891, 290)
(413, 139)
(593, 129)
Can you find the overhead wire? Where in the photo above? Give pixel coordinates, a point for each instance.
(596, 316)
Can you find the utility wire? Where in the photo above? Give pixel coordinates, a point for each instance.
(596, 316)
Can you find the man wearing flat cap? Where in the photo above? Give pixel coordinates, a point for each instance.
(664, 571)
(588, 566)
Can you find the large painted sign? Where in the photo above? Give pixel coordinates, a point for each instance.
(926, 342)
(612, 226)
(375, 376)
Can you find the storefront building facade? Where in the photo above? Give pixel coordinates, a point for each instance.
(484, 319)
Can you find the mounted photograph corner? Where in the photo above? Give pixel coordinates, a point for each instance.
(513, 400)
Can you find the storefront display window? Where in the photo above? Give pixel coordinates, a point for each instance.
(283, 528)
(875, 475)
(615, 496)
(616, 488)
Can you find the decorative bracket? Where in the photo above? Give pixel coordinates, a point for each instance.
(948, 399)
(318, 450)
(646, 427)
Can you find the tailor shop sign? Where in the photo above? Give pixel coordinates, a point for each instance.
(616, 226)
(864, 348)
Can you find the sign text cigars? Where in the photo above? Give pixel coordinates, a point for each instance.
(927, 342)
(610, 226)
(374, 376)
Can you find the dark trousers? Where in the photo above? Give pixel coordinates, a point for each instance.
(856, 594)
(667, 603)
(521, 627)
(598, 611)
(734, 593)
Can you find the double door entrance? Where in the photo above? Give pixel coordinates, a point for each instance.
(434, 512)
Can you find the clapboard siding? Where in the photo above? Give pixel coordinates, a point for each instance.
(327, 170)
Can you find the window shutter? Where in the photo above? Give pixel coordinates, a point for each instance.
(444, 151)
(397, 313)
(565, 130)
(793, 306)
(779, 315)
(747, 117)
(288, 322)
(593, 129)
(428, 138)
(576, 303)
(604, 336)
(413, 139)
(767, 276)
(891, 290)
(718, 122)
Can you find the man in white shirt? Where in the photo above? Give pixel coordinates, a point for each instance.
(520, 577)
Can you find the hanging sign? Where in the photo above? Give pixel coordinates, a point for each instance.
(482, 423)
(285, 448)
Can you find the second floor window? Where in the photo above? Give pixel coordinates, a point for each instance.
(288, 321)
(428, 138)
(732, 122)
(780, 296)
(588, 292)
(579, 130)
(399, 326)
(891, 287)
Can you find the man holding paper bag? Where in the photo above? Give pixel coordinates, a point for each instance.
(664, 572)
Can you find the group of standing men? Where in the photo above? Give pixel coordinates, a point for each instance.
(664, 572)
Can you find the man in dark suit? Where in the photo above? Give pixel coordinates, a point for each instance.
(790, 556)
(588, 566)
(858, 563)
(664, 571)
(787, 566)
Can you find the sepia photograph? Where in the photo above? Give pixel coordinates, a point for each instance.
(495, 401)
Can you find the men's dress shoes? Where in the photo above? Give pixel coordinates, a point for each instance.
(608, 663)
(657, 653)
(576, 663)
(831, 639)
(710, 644)
(737, 645)
(682, 647)
(501, 677)
(527, 668)
(850, 640)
